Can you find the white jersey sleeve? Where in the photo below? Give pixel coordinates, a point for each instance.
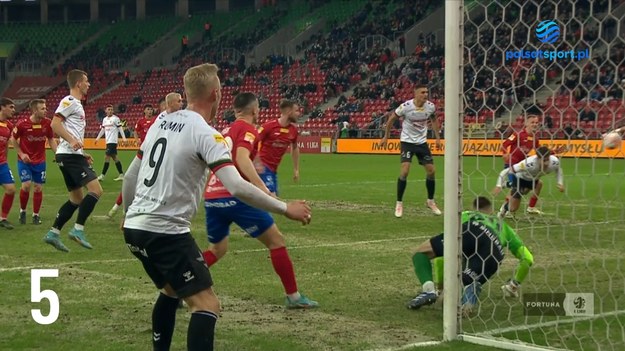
(67, 107)
(401, 109)
(212, 147)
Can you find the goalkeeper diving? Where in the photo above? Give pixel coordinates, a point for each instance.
(484, 238)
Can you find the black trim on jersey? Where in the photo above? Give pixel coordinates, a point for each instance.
(60, 116)
(219, 163)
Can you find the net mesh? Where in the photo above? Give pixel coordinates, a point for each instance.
(576, 86)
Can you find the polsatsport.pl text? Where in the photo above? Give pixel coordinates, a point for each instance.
(552, 55)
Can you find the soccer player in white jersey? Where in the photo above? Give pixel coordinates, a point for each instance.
(111, 129)
(416, 114)
(173, 103)
(161, 195)
(75, 165)
(528, 173)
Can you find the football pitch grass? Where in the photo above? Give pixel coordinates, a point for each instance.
(355, 259)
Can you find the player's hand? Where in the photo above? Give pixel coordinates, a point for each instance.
(25, 158)
(496, 190)
(439, 144)
(299, 210)
(95, 142)
(89, 158)
(260, 168)
(561, 188)
(76, 145)
(295, 176)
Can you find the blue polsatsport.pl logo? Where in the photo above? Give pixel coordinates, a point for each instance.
(548, 31)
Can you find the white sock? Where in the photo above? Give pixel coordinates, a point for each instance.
(55, 231)
(115, 207)
(79, 226)
(428, 287)
(294, 296)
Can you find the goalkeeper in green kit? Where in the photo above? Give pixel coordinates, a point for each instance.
(484, 237)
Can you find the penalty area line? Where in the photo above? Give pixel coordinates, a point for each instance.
(301, 247)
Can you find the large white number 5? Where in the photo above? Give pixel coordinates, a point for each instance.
(36, 295)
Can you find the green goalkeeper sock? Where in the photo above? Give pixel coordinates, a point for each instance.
(521, 271)
(423, 268)
(438, 271)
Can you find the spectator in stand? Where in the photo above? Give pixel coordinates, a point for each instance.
(185, 44)
(208, 31)
(587, 114)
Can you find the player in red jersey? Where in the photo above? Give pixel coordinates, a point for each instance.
(142, 125)
(517, 148)
(275, 137)
(7, 110)
(29, 138)
(222, 209)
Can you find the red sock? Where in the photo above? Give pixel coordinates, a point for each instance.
(284, 268)
(37, 200)
(209, 257)
(7, 203)
(533, 201)
(119, 200)
(24, 195)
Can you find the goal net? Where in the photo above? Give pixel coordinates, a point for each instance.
(565, 62)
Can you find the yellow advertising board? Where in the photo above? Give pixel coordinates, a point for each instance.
(482, 147)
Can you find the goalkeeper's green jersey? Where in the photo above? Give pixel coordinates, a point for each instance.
(507, 236)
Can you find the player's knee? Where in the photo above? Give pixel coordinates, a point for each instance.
(9, 189)
(38, 188)
(205, 300)
(425, 248)
(26, 186)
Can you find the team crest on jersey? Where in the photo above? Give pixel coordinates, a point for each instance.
(284, 130)
(249, 137)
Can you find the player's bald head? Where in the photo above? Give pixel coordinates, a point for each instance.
(173, 99)
(201, 82)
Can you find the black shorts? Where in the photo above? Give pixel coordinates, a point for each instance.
(422, 151)
(520, 187)
(173, 259)
(76, 170)
(111, 149)
(481, 251)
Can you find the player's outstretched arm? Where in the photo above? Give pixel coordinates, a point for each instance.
(100, 134)
(129, 185)
(251, 195)
(501, 178)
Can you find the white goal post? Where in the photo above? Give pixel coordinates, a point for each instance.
(579, 239)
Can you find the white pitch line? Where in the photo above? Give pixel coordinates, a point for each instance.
(411, 346)
(119, 260)
(551, 323)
